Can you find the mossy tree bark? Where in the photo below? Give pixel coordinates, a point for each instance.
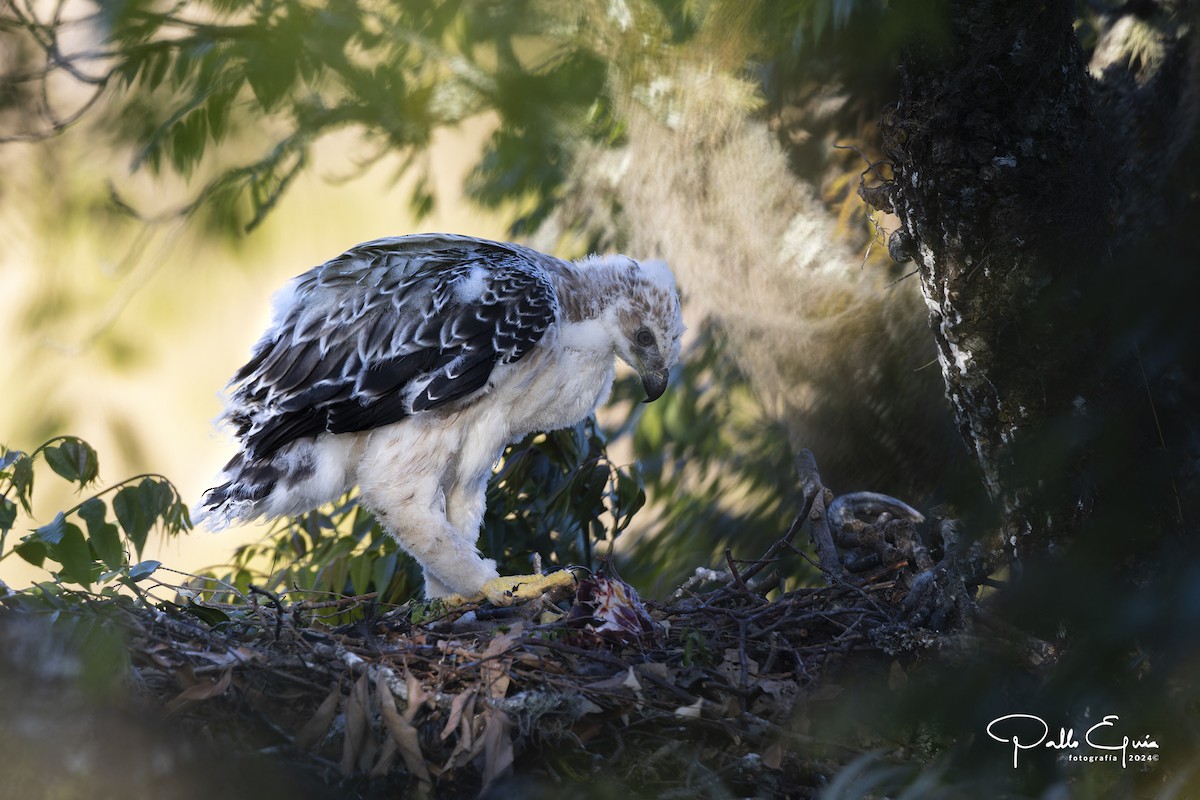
(1021, 173)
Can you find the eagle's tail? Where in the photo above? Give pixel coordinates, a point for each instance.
(294, 479)
(240, 494)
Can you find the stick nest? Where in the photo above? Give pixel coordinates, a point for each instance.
(447, 706)
(712, 688)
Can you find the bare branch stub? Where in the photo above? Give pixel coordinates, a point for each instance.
(815, 499)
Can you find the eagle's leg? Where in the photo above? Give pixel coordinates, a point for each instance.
(439, 531)
(434, 587)
(451, 563)
(465, 502)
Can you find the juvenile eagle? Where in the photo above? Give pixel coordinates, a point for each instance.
(405, 366)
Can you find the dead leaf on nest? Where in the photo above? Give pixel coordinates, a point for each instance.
(315, 729)
(656, 669)
(497, 746)
(387, 754)
(202, 690)
(731, 667)
(239, 655)
(403, 732)
(618, 682)
(588, 707)
(778, 697)
(164, 655)
(773, 758)
(456, 711)
(357, 732)
(417, 695)
(493, 669)
(470, 740)
(622, 680)
(494, 676)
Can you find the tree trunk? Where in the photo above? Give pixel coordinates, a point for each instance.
(1017, 178)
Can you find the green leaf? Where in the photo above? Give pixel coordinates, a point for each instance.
(382, 571)
(22, 480)
(217, 109)
(102, 534)
(143, 570)
(107, 543)
(210, 616)
(630, 496)
(360, 573)
(132, 510)
(157, 64)
(298, 542)
(185, 65)
(8, 514)
(158, 496)
(332, 576)
(242, 581)
(73, 553)
(270, 70)
(188, 137)
(60, 463)
(93, 512)
(74, 460)
(33, 550)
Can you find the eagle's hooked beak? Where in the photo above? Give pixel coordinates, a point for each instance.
(654, 382)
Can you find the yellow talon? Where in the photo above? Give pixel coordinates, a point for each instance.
(509, 589)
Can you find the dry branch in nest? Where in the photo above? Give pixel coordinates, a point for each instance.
(708, 686)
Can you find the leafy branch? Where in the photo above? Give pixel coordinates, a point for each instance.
(102, 554)
(176, 88)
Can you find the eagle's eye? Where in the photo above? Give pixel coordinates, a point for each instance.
(644, 337)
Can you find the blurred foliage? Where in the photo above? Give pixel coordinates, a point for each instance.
(720, 471)
(188, 86)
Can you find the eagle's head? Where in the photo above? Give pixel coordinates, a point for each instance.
(650, 324)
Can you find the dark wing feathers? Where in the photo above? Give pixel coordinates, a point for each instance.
(387, 376)
(279, 429)
(388, 329)
(454, 384)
